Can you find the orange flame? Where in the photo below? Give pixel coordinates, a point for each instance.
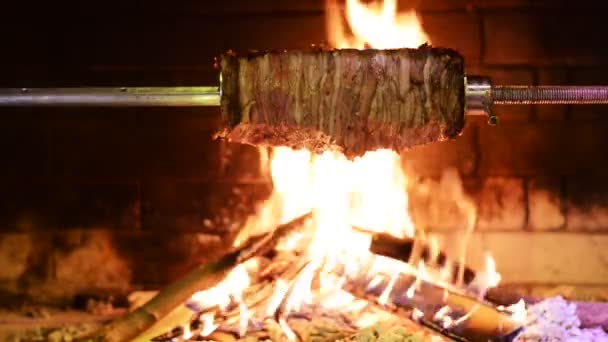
(348, 200)
(377, 25)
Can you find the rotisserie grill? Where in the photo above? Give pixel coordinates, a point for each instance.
(347, 100)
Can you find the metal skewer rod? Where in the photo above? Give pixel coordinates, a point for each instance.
(480, 94)
(110, 97)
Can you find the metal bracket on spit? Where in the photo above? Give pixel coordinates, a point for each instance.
(478, 93)
(493, 120)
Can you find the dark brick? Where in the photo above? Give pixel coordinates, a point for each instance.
(501, 4)
(87, 262)
(236, 6)
(31, 205)
(544, 149)
(510, 38)
(157, 258)
(459, 31)
(128, 144)
(164, 39)
(569, 5)
(587, 203)
(441, 5)
(501, 204)
(538, 4)
(544, 37)
(586, 151)
(132, 75)
(24, 205)
(26, 262)
(432, 159)
(589, 113)
(507, 76)
(241, 163)
(81, 205)
(94, 143)
(198, 206)
(179, 144)
(545, 204)
(26, 259)
(552, 76)
(279, 6)
(521, 149)
(24, 143)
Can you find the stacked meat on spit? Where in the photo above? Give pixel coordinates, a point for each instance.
(347, 100)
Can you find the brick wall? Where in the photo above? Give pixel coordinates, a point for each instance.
(107, 200)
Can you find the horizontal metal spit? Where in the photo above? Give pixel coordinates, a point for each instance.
(480, 96)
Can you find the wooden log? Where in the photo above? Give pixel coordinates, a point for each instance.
(404, 248)
(203, 277)
(484, 321)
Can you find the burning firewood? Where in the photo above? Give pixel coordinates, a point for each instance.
(482, 320)
(435, 304)
(404, 249)
(203, 277)
(348, 100)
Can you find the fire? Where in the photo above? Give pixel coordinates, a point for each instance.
(378, 25)
(348, 199)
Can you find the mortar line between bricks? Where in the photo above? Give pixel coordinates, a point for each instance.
(477, 151)
(194, 15)
(139, 207)
(462, 10)
(48, 163)
(526, 200)
(511, 67)
(564, 202)
(482, 34)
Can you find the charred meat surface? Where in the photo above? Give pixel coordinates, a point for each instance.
(347, 100)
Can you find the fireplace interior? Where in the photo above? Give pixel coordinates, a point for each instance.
(100, 208)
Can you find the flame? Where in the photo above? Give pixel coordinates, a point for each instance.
(493, 277)
(228, 290)
(377, 25)
(420, 275)
(348, 199)
(291, 336)
(209, 325)
(187, 332)
(277, 297)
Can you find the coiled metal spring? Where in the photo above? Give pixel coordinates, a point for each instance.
(549, 94)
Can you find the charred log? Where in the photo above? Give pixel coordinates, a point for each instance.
(482, 320)
(203, 277)
(348, 100)
(403, 249)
